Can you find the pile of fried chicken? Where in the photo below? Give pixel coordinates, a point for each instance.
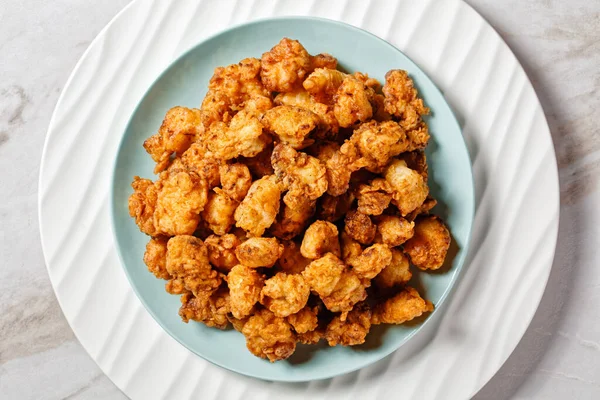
(292, 203)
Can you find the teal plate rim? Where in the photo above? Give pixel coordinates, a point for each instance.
(458, 263)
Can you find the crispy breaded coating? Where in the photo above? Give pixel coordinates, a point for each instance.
(221, 251)
(360, 227)
(285, 294)
(340, 167)
(418, 136)
(187, 259)
(181, 197)
(284, 67)
(351, 249)
(352, 102)
(401, 99)
(259, 252)
(292, 221)
(320, 238)
(378, 142)
(303, 176)
(372, 261)
(235, 180)
(269, 336)
(328, 126)
(218, 212)
(423, 209)
(379, 113)
(373, 197)
(323, 84)
(291, 124)
(409, 189)
(198, 159)
(245, 285)
(323, 60)
(348, 291)
(260, 164)
(311, 337)
(393, 230)
(395, 274)
(428, 247)
(323, 150)
(259, 208)
(210, 309)
(291, 260)
(238, 324)
(401, 308)
(244, 137)
(142, 203)
(416, 160)
(351, 332)
(323, 274)
(333, 208)
(181, 127)
(155, 257)
(304, 320)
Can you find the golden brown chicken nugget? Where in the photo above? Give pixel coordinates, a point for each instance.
(320, 238)
(155, 257)
(218, 212)
(269, 336)
(291, 124)
(374, 197)
(332, 208)
(245, 285)
(401, 98)
(323, 274)
(397, 273)
(360, 227)
(352, 331)
(142, 204)
(351, 249)
(285, 294)
(403, 307)
(351, 102)
(409, 189)
(378, 142)
(323, 60)
(328, 126)
(323, 84)
(210, 309)
(292, 221)
(291, 260)
(201, 161)
(349, 290)
(259, 252)
(259, 208)
(235, 180)
(243, 137)
(285, 66)
(304, 320)
(428, 247)
(221, 251)
(393, 230)
(372, 261)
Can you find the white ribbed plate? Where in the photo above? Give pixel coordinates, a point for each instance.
(514, 232)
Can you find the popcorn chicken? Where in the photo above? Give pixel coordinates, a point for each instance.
(292, 125)
(291, 260)
(244, 137)
(259, 208)
(260, 164)
(423, 209)
(323, 84)
(349, 290)
(238, 324)
(311, 337)
(269, 336)
(235, 180)
(221, 251)
(328, 126)
(352, 331)
(259, 252)
(360, 227)
(304, 320)
(142, 204)
(218, 212)
(340, 167)
(180, 128)
(372, 261)
(210, 309)
(396, 273)
(351, 249)
(285, 66)
(409, 189)
(323, 274)
(245, 285)
(285, 294)
(401, 99)
(416, 160)
(401, 308)
(320, 238)
(373, 198)
(292, 221)
(352, 102)
(323, 150)
(378, 142)
(198, 159)
(418, 137)
(393, 230)
(428, 247)
(333, 208)
(181, 197)
(155, 257)
(187, 259)
(323, 60)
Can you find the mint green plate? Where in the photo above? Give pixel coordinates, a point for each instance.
(184, 83)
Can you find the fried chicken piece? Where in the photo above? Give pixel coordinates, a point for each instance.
(351, 332)
(418, 137)
(409, 189)
(340, 166)
(416, 160)
(323, 150)
(304, 320)
(260, 164)
(259, 208)
(269, 336)
(181, 127)
(367, 80)
(292, 221)
(428, 247)
(176, 286)
(285, 66)
(397, 273)
(349, 290)
(351, 102)
(238, 324)
(285, 294)
(291, 260)
(379, 113)
(142, 203)
(373, 198)
(235, 180)
(244, 137)
(351, 249)
(311, 337)
(221, 251)
(328, 126)
(216, 108)
(401, 308)
(333, 208)
(323, 84)
(378, 142)
(155, 257)
(187, 260)
(291, 124)
(423, 209)
(360, 227)
(218, 212)
(323, 60)
(401, 99)
(372, 261)
(304, 176)
(210, 309)
(245, 285)
(393, 230)
(181, 197)
(259, 252)
(323, 274)
(320, 238)
(198, 159)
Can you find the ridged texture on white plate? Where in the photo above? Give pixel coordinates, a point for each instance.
(516, 192)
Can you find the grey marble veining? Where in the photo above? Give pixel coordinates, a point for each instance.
(558, 43)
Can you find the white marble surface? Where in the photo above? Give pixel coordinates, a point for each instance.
(558, 43)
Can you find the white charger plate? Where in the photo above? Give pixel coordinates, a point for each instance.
(514, 233)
